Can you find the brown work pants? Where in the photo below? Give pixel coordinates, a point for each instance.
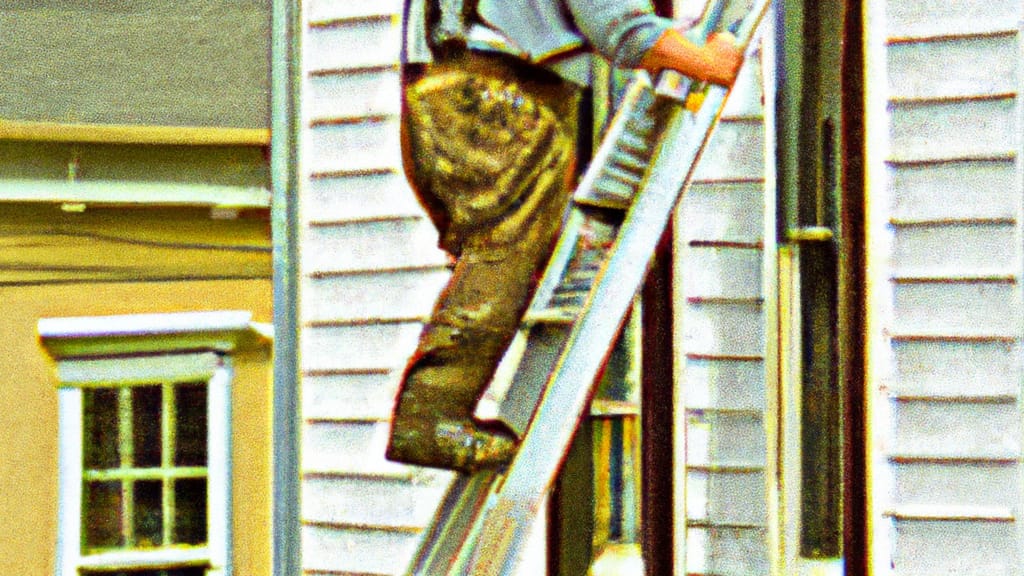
(489, 149)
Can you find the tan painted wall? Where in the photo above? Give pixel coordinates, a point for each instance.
(28, 412)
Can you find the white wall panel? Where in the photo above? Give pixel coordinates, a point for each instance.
(969, 309)
(955, 368)
(349, 448)
(349, 396)
(723, 328)
(386, 295)
(397, 503)
(984, 66)
(955, 429)
(954, 191)
(371, 245)
(928, 18)
(730, 212)
(359, 93)
(356, 551)
(721, 383)
(930, 548)
(958, 484)
(350, 197)
(713, 272)
(358, 43)
(726, 552)
(369, 347)
(327, 10)
(719, 438)
(727, 497)
(735, 152)
(356, 146)
(942, 130)
(955, 250)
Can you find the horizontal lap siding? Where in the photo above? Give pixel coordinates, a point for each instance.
(718, 277)
(371, 270)
(951, 427)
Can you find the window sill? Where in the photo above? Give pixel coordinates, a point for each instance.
(156, 558)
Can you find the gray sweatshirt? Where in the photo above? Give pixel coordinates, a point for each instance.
(558, 34)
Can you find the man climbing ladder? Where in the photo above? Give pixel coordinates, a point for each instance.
(643, 165)
(489, 139)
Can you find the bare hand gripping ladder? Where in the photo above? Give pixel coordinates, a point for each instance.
(645, 162)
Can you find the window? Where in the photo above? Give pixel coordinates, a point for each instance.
(143, 464)
(144, 408)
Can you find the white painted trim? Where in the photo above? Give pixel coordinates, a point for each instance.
(134, 193)
(139, 325)
(145, 558)
(789, 406)
(679, 415)
(1018, 145)
(139, 370)
(218, 470)
(97, 336)
(770, 293)
(69, 477)
(75, 372)
(878, 290)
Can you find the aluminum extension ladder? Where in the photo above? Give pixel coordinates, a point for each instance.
(620, 210)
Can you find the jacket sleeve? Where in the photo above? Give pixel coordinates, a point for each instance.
(620, 30)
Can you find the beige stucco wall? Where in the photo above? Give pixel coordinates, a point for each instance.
(28, 412)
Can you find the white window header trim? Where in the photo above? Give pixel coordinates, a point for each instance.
(98, 336)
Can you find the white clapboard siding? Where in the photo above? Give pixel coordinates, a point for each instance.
(349, 448)
(953, 190)
(330, 96)
(947, 415)
(948, 130)
(354, 196)
(362, 246)
(371, 271)
(358, 551)
(962, 547)
(928, 19)
(352, 43)
(985, 67)
(928, 368)
(370, 145)
(374, 346)
(720, 327)
(396, 295)
(972, 249)
(334, 10)
(349, 396)
(399, 504)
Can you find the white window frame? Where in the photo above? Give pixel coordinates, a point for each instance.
(119, 351)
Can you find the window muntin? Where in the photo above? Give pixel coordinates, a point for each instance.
(144, 466)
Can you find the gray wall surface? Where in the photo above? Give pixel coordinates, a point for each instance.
(147, 62)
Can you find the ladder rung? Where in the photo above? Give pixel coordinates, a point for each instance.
(633, 143)
(555, 315)
(603, 202)
(630, 162)
(614, 189)
(631, 179)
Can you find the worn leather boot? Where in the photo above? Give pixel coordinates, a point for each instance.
(433, 423)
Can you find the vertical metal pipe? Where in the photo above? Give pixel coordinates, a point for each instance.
(284, 147)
